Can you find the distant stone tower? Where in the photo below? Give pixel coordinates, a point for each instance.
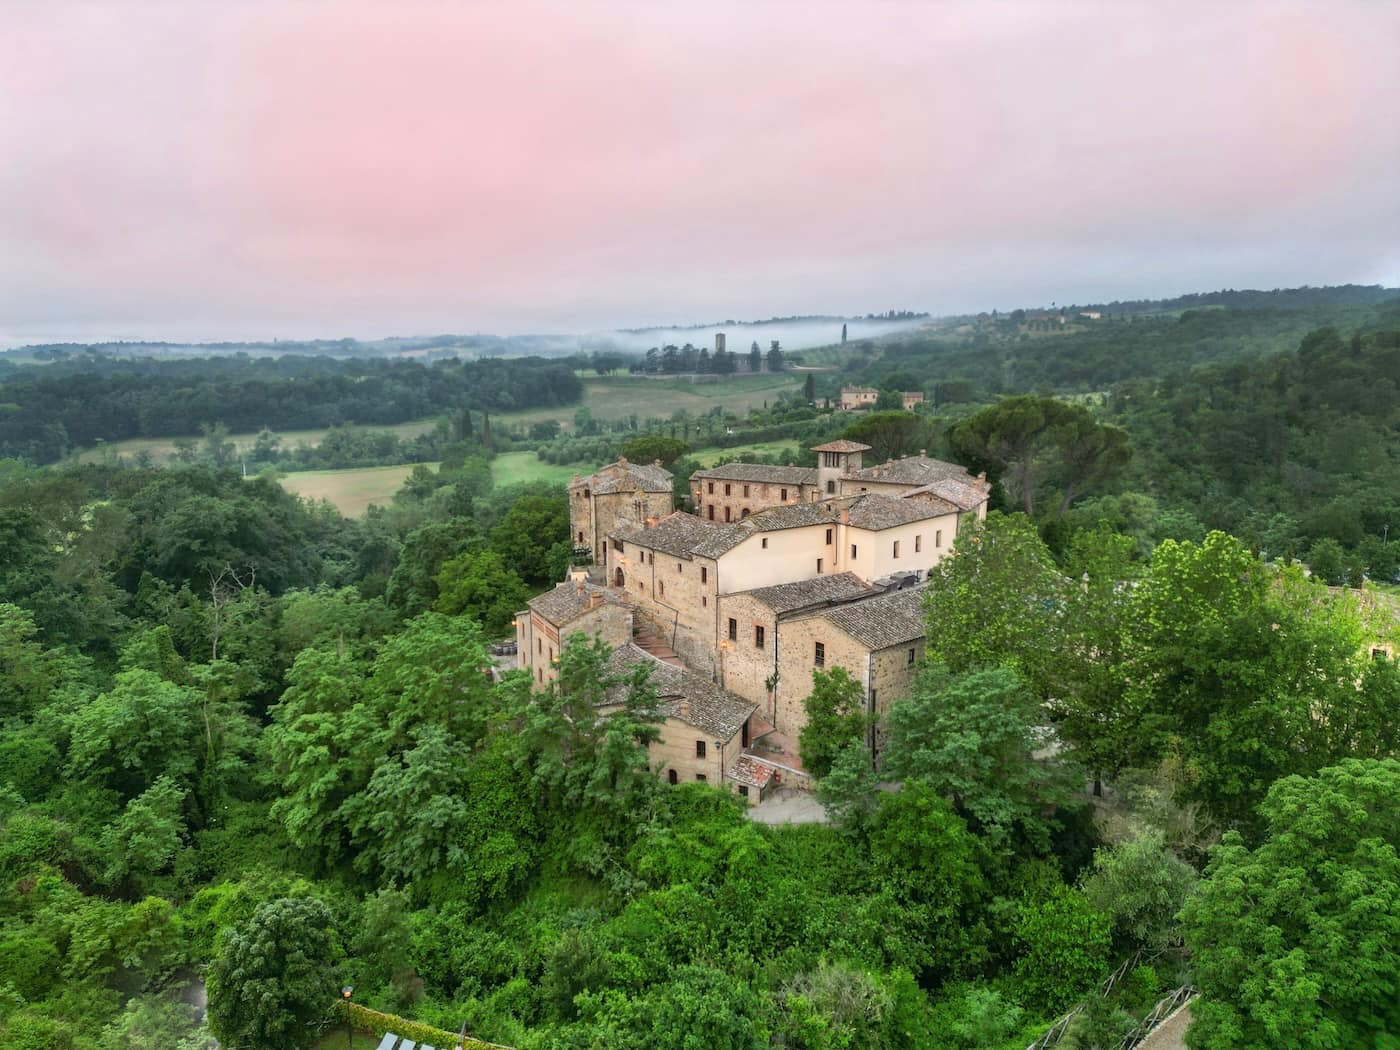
(843, 333)
(719, 342)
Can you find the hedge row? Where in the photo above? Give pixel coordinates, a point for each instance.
(368, 1020)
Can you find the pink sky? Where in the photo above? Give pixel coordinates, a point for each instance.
(295, 168)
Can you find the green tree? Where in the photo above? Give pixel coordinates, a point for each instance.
(274, 975)
(478, 585)
(144, 840)
(1064, 946)
(836, 718)
(998, 599)
(654, 447)
(141, 729)
(1141, 885)
(531, 535)
(972, 738)
(1293, 943)
(892, 435)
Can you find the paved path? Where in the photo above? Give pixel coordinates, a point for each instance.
(1171, 1033)
(790, 806)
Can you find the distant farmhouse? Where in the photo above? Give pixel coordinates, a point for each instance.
(858, 398)
(779, 572)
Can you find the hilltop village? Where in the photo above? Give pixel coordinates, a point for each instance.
(779, 571)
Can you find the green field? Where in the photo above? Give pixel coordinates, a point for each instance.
(512, 468)
(618, 397)
(161, 448)
(708, 457)
(350, 491)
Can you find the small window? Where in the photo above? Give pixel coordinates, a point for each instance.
(671, 776)
(728, 488)
(712, 512)
(704, 574)
(661, 588)
(831, 488)
(733, 629)
(938, 538)
(701, 777)
(758, 636)
(539, 674)
(918, 543)
(585, 493)
(679, 567)
(727, 510)
(746, 491)
(896, 548)
(819, 566)
(819, 654)
(712, 488)
(580, 537)
(743, 513)
(782, 495)
(911, 657)
(853, 552)
(743, 791)
(699, 749)
(1378, 653)
(539, 646)
(704, 602)
(828, 535)
(764, 542)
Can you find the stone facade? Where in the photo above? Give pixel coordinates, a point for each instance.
(734, 492)
(619, 494)
(573, 607)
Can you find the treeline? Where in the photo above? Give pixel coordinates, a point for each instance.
(48, 411)
(999, 359)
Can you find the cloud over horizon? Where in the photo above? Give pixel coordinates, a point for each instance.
(266, 169)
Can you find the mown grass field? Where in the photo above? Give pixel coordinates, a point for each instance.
(618, 397)
(513, 468)
(350, 491)
(708, 457)
(161, 448)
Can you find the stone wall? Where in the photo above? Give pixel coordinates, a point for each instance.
(744, 497)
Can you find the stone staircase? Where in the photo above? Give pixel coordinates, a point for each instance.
(646, 638)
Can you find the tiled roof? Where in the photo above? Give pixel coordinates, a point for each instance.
(859, 390)
(627, 477)
(841, 445)
(566, 602)
(745, 769)
(705, 705)
(836, 587)
(760, 473)
(892, 618)
(911, 470)
(875, 511)
(959, 493)
(792, 516)
(684, 536)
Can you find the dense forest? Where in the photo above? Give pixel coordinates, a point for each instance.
(252, 752)
(47, 411)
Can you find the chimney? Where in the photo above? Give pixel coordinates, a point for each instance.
(577, 478)
(578, 584)
(622, 461)
(594, 599)
(923, 453)
(845, 516)
(684, 709)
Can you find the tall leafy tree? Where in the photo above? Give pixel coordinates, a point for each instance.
(835, 719)
(1293, 942)
(274, 975)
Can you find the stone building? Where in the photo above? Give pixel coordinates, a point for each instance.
(732, 492)
(910, 398)
(705, 729)
(855, 398)
(575, 606)
(617, 494)
(879, 640)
